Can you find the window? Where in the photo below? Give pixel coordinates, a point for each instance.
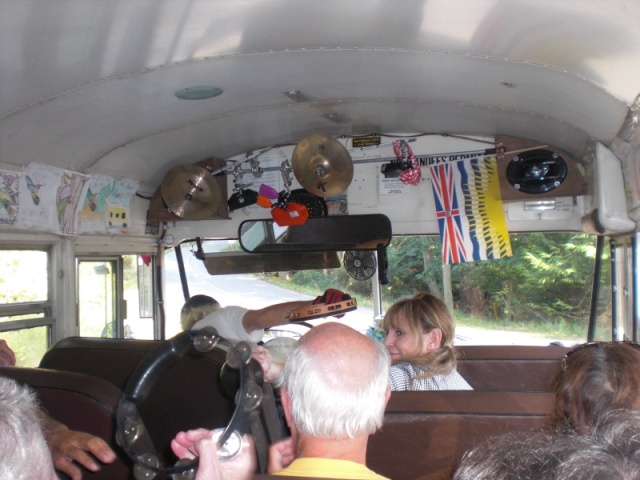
(115, 297)
(25, 307)
(541, 294)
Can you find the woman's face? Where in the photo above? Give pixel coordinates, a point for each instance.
(399, 342)
(402, 345)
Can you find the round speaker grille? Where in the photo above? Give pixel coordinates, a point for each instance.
(536, 171)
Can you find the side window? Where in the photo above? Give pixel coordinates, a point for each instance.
(99, 297)
(115, 297)
(539, 295)
(25, 307)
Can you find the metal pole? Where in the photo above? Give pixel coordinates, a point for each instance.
(595, 288)
(376, 292)
(635, 287)
(183, 274)
(615, 304)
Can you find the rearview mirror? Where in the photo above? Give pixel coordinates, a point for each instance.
(320, 234)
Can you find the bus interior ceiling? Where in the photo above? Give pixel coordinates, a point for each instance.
(131, 90)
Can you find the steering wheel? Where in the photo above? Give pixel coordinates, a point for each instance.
(131, 433)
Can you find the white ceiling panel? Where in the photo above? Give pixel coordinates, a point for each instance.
(89, 85)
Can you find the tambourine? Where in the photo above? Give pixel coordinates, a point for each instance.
(322, 310)
(131, 434)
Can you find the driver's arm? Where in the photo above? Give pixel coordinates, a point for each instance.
(271, 316)
(275, 315)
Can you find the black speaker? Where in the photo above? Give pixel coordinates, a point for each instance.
(536, 171)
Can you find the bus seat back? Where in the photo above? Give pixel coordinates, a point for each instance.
(509, 367)
(186, 396)
(425, 434)
(81, 402)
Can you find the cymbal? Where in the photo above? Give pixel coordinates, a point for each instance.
(322, 165)
(190, 192)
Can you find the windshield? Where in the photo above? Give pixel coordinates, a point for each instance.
(540, 295)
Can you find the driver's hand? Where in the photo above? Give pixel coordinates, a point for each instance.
(331, 295)
(270, 369)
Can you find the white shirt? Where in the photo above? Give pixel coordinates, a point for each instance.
(228, 322)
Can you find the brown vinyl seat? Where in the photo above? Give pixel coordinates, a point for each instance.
(509, 367)
(81, 402)
(188, 395)
(109, 358)
(425, 434)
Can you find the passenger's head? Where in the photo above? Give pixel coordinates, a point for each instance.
(336, 383)
(421, 330)
(513, 456)
(594, 379)
(196, 308)
(24, 452)
(611, 451)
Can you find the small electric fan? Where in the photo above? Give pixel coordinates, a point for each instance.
(360, 264)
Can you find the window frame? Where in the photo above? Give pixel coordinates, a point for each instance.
(35, 308)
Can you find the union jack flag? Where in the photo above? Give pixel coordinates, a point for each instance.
(469, 210)
(448, 214)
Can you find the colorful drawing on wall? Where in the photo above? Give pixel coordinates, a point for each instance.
(68, 197)
(34, 188)
(9, 197)
(106, 206)
(49, 198)
(117, 217)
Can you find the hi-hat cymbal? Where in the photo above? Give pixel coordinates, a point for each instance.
(322, 165)
(190, 192)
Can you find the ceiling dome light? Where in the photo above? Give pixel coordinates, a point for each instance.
(198, 93)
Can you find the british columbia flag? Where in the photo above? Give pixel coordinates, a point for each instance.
(469, 210)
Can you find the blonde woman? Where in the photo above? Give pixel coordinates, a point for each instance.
(419, 333)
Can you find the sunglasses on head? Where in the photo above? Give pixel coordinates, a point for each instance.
(583, 346)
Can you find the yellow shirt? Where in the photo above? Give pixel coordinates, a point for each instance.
(329, 468)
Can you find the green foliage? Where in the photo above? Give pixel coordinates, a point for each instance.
(24, 279)
(547, 281)
(24, 276)
(548, 278)
(28, 344)
(415, 265)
